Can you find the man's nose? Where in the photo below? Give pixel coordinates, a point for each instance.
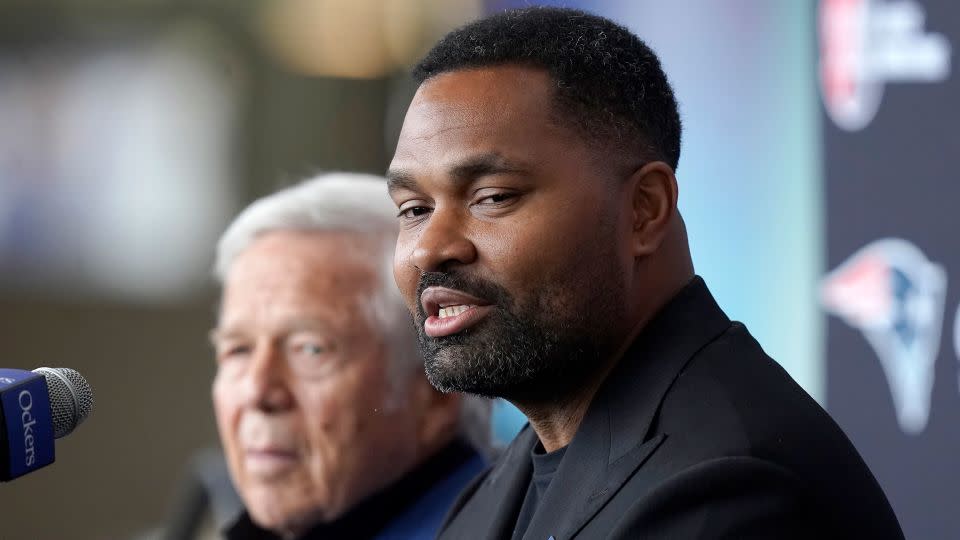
(266, 385)
(443, 242)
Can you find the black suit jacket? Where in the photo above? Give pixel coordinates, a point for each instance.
(696, 433)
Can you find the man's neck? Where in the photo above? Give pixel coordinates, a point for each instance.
(556, 421)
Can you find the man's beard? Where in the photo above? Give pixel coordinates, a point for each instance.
(529, 352)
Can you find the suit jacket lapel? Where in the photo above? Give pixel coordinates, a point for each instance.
(615, 436)
(583, 484)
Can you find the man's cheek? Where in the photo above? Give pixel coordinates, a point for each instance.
(334, 419)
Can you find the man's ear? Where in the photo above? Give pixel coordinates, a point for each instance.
(439, 413)
(653, 194)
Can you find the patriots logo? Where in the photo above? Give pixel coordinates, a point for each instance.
(865, 44)
(894, 295)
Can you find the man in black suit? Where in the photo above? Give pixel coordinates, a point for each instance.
(544, 260)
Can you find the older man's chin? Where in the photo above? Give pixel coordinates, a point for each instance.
(287, 513)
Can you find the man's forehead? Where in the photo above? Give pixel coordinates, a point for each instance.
(332, 304)
(302, 268)
(464, 113)
(488, 92)
(320, 239)
(324, 251)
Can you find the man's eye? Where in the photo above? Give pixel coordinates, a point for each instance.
(495, 198)
(313, 348)
(310, 348)
(412, 212)
(498, 198)
(232, 352)
(313, 358)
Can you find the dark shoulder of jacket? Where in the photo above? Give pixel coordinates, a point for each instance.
(733, 388)
(465, 494)
(732, 399)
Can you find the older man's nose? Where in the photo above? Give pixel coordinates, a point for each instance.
(266, 385)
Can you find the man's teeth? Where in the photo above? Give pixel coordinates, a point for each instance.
(452, 311)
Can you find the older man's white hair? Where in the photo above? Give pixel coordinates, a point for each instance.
(342, 202)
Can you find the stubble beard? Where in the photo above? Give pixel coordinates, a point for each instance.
(534, 352)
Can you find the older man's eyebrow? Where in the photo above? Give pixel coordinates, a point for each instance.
(219, 334)
(308, 324)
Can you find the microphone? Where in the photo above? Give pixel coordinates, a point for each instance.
(37, 407)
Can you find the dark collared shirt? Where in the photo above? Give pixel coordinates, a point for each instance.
(371, 516)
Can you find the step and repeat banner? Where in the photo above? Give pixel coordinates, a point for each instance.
(891, 137)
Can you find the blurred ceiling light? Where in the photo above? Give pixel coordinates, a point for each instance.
(334, 38)
(403, 29)
(357, 38)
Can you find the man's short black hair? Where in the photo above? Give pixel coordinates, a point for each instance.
(609, 83)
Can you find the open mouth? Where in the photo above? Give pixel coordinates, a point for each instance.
(450, 311)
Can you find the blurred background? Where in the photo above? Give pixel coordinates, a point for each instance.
(816, 180)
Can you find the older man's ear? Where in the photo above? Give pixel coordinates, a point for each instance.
(438, 414)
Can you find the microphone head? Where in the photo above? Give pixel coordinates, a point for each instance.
(71, 398)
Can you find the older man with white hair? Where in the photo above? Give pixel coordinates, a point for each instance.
(329, 426)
